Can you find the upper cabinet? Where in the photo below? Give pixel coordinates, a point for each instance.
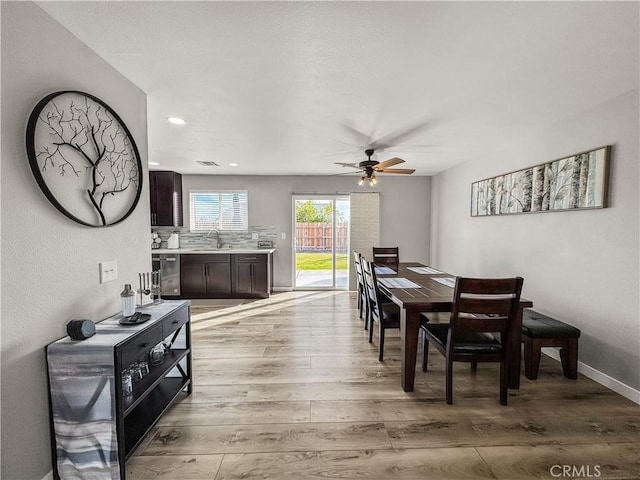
(165, 190)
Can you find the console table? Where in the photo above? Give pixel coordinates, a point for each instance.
(94, 427)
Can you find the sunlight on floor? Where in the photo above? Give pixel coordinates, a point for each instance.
(200, 321)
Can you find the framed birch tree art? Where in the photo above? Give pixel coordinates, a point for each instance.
(576, 182)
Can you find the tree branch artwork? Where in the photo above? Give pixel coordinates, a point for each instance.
(78, 146)
(576, 182)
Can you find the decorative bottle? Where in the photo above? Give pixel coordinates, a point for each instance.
(128, 296)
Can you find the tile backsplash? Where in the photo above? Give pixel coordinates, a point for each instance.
(242, 239)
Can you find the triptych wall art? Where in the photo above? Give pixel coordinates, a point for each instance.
(575, 182)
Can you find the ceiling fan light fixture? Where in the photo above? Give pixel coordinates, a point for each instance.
(368, 181)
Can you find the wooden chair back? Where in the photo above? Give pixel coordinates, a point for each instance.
(371, 290)
(386, 314)
(360, 289)
(482, 308)
(386, 255)
(486, 305)
(358, 266)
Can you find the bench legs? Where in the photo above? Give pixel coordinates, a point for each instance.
(532, 350)
(568, 355)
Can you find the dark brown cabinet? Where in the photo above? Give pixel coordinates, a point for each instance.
(165, 191)
(251, 275)
(86, 381)
(206, 276)
(226, 275)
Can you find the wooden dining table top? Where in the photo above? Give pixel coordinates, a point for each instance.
(432, 295)
(433, 292)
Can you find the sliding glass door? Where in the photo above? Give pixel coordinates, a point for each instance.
(321, 242)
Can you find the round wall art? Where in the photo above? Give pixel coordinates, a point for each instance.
(84, 158)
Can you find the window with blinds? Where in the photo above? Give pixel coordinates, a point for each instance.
(220, 210)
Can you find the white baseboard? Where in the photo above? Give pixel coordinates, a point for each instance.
(599, 377)
(283, 289)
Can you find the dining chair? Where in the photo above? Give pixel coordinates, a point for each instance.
(386, 255)
(482, 315)
(386, 314)
(360, 290)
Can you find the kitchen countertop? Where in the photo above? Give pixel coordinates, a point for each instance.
(205, 251)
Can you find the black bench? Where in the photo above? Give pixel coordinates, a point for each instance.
(539, 331)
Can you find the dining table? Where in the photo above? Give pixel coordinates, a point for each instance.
(418, 288)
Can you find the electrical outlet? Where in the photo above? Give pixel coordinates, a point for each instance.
(283, 236)
(108, 271)
(254, 236)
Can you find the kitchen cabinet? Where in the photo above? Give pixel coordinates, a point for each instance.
(251, 275)
(165, 191)
(95, 426)
(206, 276)
(221, 275)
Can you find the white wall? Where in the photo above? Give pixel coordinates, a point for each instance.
(49, 263)
(404, 209)
(581, 267)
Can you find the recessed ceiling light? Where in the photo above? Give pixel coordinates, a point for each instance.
(153, 164)
(233, 164)
(176, 120)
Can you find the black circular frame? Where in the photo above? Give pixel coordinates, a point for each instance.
(35, 150)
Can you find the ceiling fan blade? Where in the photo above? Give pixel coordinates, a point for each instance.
(401, 135)
(395, 170)
(352, 165)
(389, 163)
(358, 136)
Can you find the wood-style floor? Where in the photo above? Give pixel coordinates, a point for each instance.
(290, 388)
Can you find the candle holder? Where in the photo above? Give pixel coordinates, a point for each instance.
(149, 288)
(156, 290)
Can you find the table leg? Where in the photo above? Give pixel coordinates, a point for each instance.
(515, 354)
(409, 326)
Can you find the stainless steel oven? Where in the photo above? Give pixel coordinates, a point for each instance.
(169, 266)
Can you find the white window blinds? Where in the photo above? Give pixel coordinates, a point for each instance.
(222, 210)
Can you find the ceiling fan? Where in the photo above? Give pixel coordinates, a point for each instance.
(371, 167)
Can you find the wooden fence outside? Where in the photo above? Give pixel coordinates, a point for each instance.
(318, 237)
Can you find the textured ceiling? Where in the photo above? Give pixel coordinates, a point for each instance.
(291, 87)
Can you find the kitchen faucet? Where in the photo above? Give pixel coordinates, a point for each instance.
(218, 242)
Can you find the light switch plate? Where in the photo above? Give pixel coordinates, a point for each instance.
(254, 236)
(283, 236)
(108, 271)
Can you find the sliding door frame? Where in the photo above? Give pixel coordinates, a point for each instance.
(333, 198)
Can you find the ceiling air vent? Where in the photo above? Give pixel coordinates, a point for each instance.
(208, 164)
